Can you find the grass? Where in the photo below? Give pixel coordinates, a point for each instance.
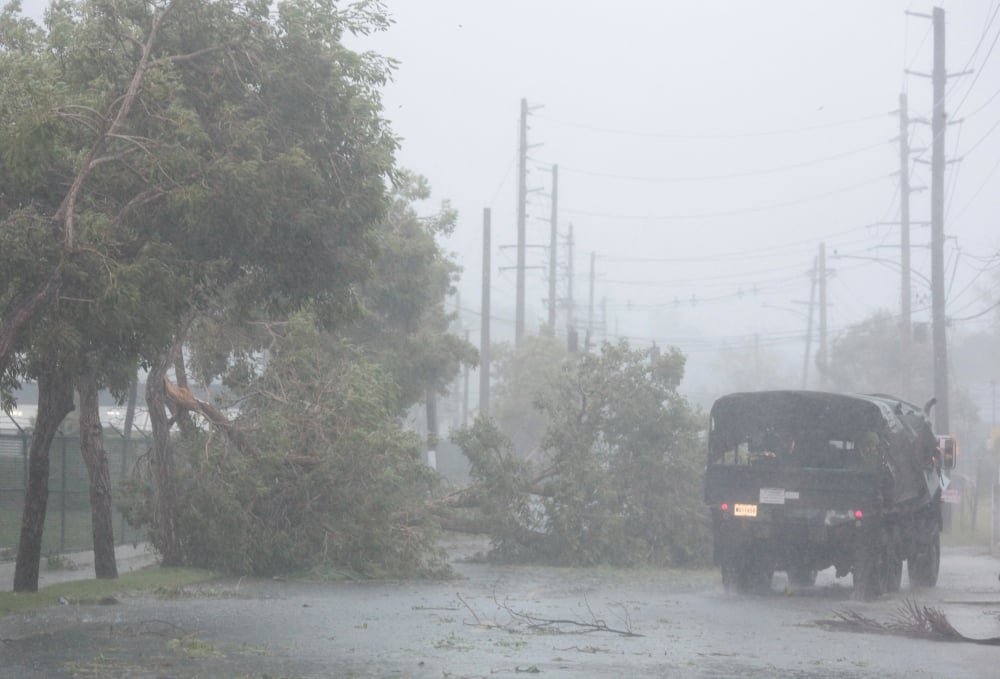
(99, 591)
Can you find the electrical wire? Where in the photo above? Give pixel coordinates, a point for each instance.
(985, 104)
(982, 139)
(976, 315)
(953, 178)
(975, 194)
(979, 71)
(794, 247)
(731, 175)
(728, 213)
(730, 135)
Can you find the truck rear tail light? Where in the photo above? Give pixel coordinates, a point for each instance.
(858, 514)
(724, 506)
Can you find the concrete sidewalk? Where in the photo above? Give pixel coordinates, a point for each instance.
(128, 557)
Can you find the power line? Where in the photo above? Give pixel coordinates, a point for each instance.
(728, 213)
(731, 175)
(985, 104)
(985, 59)
(983, 138)
(779, 250)
(989, 175)
(977, 315)
(729, 135)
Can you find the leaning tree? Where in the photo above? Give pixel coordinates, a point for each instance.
(182, 148)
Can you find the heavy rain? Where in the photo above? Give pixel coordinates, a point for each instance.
(452, 339)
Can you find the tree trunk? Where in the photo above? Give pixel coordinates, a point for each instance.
(55, 401)
(165, 537)
(96, 459)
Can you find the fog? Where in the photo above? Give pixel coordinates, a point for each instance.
(705, 150)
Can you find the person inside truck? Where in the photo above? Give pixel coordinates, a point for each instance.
(772, 446)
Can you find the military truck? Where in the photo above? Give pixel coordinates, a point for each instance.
(799, 481)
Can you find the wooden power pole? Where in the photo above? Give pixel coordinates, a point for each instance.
(821, 354)
(484, 335)
(553, 244)
(938, 125)
(522, 199)
(905, 319)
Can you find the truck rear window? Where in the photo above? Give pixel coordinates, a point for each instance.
(795, 449)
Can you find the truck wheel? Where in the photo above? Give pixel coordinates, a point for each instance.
(870, 569)
(802, 576)
(746, 573)
(756, 574)
(730, 574)
(757, 578)
(894, 570)
(923, 564)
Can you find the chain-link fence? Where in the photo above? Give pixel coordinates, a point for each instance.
(67, 521)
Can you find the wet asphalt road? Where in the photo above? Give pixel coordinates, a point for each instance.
(509, 621)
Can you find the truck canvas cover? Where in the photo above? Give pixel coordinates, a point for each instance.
(811, 429)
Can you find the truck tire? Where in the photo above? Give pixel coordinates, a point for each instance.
(757, 578)
(924, 562)
(894, 570)
(802, 576)
(729, 573)
(870, 570)
(746, 573)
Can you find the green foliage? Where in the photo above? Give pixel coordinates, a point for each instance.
(252, 158)
(233, 165)
(403, 325)
(329, 478)
(873, 356)
(522, 375)
(621, 479)
(337, 396)
(514, 515)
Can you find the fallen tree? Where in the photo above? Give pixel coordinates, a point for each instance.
(617, 477)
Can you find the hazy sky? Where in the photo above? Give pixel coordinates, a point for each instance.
(705, 148)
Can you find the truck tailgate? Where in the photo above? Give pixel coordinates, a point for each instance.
(793, 489)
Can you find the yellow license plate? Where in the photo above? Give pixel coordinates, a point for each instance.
(744, 510)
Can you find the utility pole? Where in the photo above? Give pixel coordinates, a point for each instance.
(604, 319)
(484, 334)
(553, 244)
(809, 324)
(939, 78)
(465, 389)
(904, 221)
(522, 199)
(821, 357)
(570, 329)
(590, 307)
